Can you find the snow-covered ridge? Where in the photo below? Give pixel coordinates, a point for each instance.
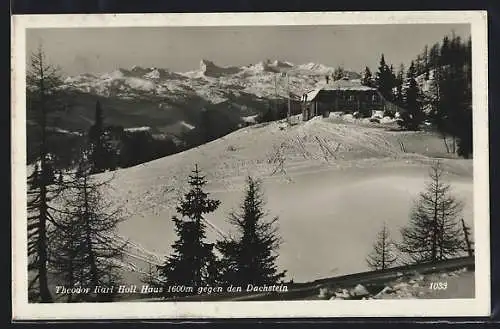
(138, 129)
(212, 82)
(315, 67)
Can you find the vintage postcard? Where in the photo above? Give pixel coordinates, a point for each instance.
(250, 165)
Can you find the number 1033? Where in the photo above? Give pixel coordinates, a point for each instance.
(438, 285)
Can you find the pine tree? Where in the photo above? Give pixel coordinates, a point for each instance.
(383, 255)
(43, 83)
(464, 99)
(102, 155)
(434, 56)
(192, 263)
(85, 252)
(250, 258)
(399, 85)
(96, 139)
(426, 62)
(393, 82)
(456, 54)
(338, 73)
(413, 115)
(384, 80)
(444, 56)
(434, 232)
(437, 97)
(453, 114)
(367, 79)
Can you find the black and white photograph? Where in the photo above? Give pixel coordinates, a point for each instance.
(339, 160)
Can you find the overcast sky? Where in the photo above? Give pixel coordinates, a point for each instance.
(98, 50)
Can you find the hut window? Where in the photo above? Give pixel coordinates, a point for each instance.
(374, 98)
(351, 98)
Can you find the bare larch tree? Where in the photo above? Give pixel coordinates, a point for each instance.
(85, 250)
(382, 255)
(434, 232)
(43, 85)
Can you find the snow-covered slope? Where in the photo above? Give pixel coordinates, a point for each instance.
(323, 180)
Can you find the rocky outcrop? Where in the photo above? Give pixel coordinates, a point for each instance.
(209, 69)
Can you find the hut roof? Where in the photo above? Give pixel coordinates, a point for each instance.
(342, 84)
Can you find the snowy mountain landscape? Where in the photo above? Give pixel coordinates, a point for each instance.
(323, 177)
(339, 184)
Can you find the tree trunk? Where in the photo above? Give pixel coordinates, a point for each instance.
(71, 278)
(383, 250)
(45, 295)
(435, 223)
(470, 252)
(88, 234)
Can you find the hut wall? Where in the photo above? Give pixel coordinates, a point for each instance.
(349, 101)
(353, 101)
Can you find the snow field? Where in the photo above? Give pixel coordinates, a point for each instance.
(333, 186)
(458, 283)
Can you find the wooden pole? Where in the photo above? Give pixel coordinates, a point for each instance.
(289, 100)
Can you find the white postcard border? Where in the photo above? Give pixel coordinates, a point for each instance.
(478, 306)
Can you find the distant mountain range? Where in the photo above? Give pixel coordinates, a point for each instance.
(161, 99)
(172, 103)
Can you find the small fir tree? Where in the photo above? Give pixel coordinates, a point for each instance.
(250, 258)
(192, 262)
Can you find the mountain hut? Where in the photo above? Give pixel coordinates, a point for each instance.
(343, 95)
